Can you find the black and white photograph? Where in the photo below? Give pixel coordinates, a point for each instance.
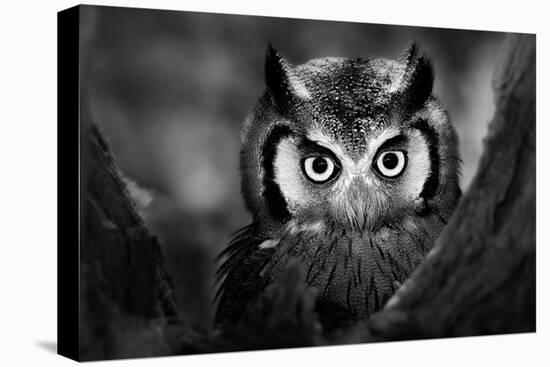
(261, 187)
(260, 183)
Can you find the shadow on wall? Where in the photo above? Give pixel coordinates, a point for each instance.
(170, 91)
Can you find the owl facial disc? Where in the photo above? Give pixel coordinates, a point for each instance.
(318, 179)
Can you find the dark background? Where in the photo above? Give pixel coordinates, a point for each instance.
(170, 91)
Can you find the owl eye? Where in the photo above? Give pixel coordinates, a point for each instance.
(319, 169)
(391, 163)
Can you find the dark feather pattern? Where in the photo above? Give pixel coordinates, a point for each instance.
(278, 73)
(416, 83)
(238, 278)
(353, 273)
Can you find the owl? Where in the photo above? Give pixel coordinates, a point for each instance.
(349, 165)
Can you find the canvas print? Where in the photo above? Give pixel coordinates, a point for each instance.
(252, 182)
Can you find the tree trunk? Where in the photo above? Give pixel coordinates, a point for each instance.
(124, 285)
(480, 278)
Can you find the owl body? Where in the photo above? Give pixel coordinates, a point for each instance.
(350, 166)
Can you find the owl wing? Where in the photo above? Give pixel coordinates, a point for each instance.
(238, 278)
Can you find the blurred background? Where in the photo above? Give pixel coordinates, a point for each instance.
(170, 90)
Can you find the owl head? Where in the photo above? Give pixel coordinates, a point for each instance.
(360, 143)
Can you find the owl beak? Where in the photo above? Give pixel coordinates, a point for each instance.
(358, 196)
(353, 206)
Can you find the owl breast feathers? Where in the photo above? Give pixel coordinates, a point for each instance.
(350, 166)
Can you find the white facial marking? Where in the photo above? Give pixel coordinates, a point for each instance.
(418, 166)
(358, 194)
(288, 173)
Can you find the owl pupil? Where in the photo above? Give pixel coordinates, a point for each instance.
(319, 165)
(390, 161)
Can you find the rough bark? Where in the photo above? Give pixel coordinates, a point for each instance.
(123, 280)
(481, 277)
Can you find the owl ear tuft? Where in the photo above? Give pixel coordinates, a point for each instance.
(281, 81)
(417, 81)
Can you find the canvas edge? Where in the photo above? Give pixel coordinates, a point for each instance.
(68, 191)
